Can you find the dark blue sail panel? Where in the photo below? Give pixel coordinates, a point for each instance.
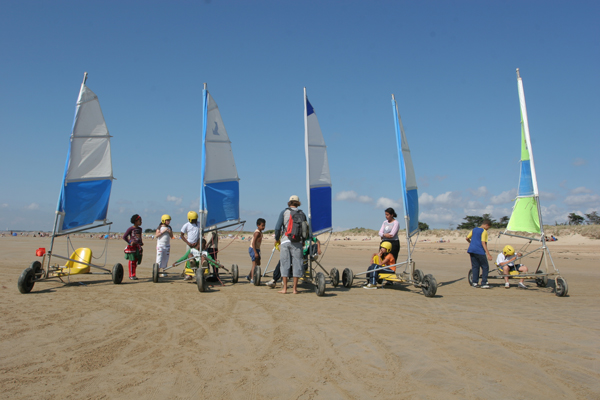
(309, 108)
(525, 180)
(320, 208)
(412, 200)
(222, 202)
(83, 203)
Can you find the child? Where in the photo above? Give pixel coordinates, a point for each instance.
(192, 229)
(133, 251)
(478, 251)
(199, 259)
(254, 249)
(381, 259)
(212, 247)
(506, 260)
(164, 234)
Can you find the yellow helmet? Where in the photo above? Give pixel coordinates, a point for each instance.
(508, 250)
(192, 215)
(387, 246)
(164, 218)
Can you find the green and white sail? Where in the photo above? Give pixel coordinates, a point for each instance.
(526, 215)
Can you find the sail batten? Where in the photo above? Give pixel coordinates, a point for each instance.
(318, 177)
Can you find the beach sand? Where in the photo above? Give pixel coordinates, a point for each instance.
(95, 340)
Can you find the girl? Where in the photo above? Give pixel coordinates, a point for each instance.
(133, 251)
(164, 234)
(389, 231)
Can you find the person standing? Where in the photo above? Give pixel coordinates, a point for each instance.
(290, 253)
(191, 229)
(164, 234)
(478, 251)
(389, 231)
(133, 251)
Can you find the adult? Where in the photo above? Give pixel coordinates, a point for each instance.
(290, 253)
(389, 231)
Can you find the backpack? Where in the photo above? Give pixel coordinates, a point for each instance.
(297, 227)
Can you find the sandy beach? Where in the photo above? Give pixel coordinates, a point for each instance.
(95, 340)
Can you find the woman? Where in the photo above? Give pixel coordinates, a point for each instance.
(389, 231)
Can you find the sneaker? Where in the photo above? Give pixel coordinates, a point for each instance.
(248, 278)
(507, 285)
(521, 286)
(187, 278)
(370, 286)
(133, 278)
(485, 286)
(251, 280)
(474, 285)
(270, 284)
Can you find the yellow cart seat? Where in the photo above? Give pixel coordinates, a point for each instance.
(390, 277)
(501, 271)
(74, 267)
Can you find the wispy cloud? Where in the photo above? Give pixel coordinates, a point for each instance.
(176, 200)
(479, 192)
(4, 205)
(351, 195)
(384, 202)
(33, 206)
(504, 197)
(582, 200)
(581, 190)
(578, 162)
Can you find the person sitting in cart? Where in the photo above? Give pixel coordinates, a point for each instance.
(506, 260)
(381, 259)
(199, 257)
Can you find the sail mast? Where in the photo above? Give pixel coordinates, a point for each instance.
(306, 150)
(203, 210)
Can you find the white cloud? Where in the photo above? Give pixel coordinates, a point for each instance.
(384, 202)
(547, 196)
(4, 205)
(176, 200)
(583, 199)
(33, 206)
(578, 162)
(426, 199)
(479, 192)
(451, 199)
(351, 195)
(581, 190)
(504, 197)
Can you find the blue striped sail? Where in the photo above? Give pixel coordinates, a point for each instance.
(318, 179)
(88, 176)
(407, 175)
(220, 191)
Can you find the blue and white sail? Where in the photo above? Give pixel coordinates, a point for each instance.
(88, 176)
(407, 176)
(318, 179)
(220, 189)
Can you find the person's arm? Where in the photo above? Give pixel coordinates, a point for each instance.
(182, 237)
(278, 227)
(318, 246)
(469, 236)
(127, 235)
(185, 257)
(381, 230)
(394, 231)
(489, 256)
(254, 238)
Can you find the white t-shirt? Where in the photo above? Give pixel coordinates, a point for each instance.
(163, 240)
(192, 231)
(502, 258)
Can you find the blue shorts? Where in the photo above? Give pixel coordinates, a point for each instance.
(251, 252)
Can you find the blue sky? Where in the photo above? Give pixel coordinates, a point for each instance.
(451, 65)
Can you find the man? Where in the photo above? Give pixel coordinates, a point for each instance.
(290, 252)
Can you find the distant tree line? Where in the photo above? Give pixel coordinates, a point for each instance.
(592, 219)
(473, 221)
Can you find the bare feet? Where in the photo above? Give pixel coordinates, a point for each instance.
(282, 291)
(295, 292)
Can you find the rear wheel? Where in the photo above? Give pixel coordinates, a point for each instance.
(542, 281)
(320, 284)
(335, 277)
(36, 266)
(561, 287)
(235, 274)
(26, 280)
(155, 273)
(117, 274)
(347, 277)
(429, 285)
(201, 279)
(417, 277)
(257, 275)
(470, 277)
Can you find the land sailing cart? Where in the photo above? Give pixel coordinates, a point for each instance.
(219, 192)
(84, 196)
(526, 217)
(408, 181)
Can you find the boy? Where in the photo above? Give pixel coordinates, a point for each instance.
(192, 230)
(506, 260)
(382, 259)
(478, 251)
(254, 249)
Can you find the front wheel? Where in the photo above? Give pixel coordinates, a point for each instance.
(347, 277)
(155, 272)
(561, 287)
(256, 278)
(417, 277)
(320, 284)
(26, 280)
(117, 274)
(335, 277)
(235, 274)
(201, 279)
(429, 285)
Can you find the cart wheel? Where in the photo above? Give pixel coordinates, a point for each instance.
(257, 275)
(117, 274)
(470, 277)
(201, 279)
(320, 284)
(347, 277)
(36, 266)
(429, 285)
(561, 287)
(235, 274)
(541, 281)
(335, 277)
(417, 277)
(26, 280)
(155, 272)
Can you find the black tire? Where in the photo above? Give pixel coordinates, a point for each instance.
(347, 277)
(201, 279)
(320, 284)
(541, 281)
(257, 275)
(36, 266)
(417, 277)
(26, 280)
(335, 277)
(562, 288)
(235, 273)
(429, 285)
(155, 267)
(470, 277)
(117, 274)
